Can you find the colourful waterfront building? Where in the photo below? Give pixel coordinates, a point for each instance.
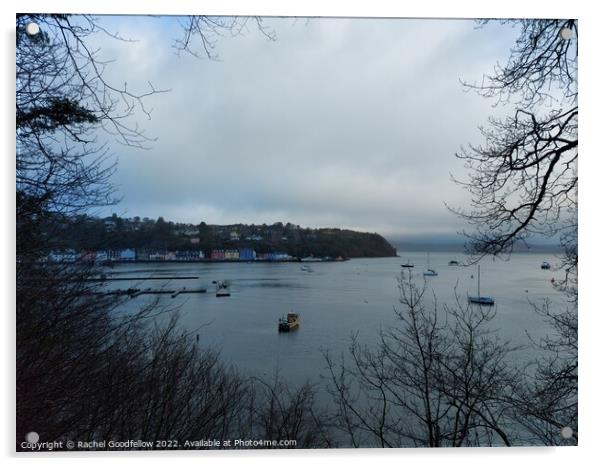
(231, 254)
(247, 254)
(218, 254)
(127, 255)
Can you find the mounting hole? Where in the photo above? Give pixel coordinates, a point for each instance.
(32, 29)
(566, 33)
(566, 432)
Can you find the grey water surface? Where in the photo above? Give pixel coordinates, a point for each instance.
(335, 301)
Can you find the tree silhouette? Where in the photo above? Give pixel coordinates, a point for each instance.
(436, 378)
(86, 369)
(523, 182)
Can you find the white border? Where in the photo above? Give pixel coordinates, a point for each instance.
(375, 8)
(590, 170)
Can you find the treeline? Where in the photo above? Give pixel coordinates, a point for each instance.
(91, 233)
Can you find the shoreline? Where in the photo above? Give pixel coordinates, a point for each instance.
(239, 261)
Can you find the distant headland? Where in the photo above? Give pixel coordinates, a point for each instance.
(144, 239)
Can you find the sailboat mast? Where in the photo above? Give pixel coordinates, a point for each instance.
(479, 281)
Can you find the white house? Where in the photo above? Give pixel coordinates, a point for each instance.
(63, 256)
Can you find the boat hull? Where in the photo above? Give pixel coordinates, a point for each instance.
(482, 300)
(287, 326)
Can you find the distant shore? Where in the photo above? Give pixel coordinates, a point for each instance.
(235, 261)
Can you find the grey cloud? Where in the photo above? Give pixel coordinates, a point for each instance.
(340, 122)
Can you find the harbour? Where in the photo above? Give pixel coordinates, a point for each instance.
(335, 301)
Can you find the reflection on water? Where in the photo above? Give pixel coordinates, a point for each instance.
(335, 301)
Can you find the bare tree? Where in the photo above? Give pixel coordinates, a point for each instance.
(62, 322)
(63, 101)
(278, 412)
(547, 400)
(86, 369)
(429, 382)
(200, 34)
(523, 182)
(112, 379)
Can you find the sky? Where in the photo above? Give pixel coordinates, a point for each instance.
(349, 123)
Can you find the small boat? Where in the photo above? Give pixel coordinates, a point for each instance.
(453, 263)
(482, 300)
(288, 323)
(407, 265)
(546, 265)
(221, 289)
(429, 272)
(306, 268)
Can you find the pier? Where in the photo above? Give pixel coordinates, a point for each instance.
(102, 279)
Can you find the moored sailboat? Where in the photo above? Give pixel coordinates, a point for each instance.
(483, 300)
(429, 272)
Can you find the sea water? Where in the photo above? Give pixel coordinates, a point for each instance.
(335, 301)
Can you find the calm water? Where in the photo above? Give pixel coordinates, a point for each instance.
(335, 301)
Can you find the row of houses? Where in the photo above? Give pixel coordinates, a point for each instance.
(70, 255)
(131, 255)
(245, 254)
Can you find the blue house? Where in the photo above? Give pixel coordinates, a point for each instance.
(247, 254)
(127, 255)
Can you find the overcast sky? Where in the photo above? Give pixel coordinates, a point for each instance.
(339, 122)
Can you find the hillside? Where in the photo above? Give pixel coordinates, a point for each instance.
(91, 233)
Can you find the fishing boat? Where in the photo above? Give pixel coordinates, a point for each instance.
(483, 300)
(288, 323)
(429, 272)
(546, 265)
